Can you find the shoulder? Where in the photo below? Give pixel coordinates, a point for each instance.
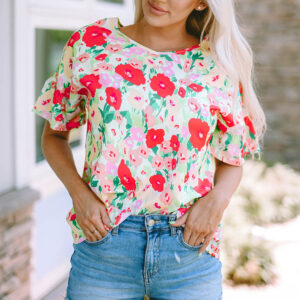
(93, 34)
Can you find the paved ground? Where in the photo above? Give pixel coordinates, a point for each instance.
(286, 256)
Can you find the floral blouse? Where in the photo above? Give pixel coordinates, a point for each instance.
(155, 121)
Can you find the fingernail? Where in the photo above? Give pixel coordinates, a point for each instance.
(199, 254)
(172, 222)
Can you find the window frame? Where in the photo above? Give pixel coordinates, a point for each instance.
(27, 16)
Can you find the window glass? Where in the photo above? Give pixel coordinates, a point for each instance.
(49, 46)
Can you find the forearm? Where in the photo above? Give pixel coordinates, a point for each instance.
(58, 154)
(226, 180)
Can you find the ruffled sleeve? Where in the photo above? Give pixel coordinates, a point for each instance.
(61, 101)
(233, 139)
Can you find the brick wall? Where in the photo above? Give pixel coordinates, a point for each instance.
(15, 254)
(273, 29)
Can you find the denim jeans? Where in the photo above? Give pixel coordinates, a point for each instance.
(144, 255)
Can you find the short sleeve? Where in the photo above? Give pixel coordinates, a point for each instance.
(233, 138)
(60, 101)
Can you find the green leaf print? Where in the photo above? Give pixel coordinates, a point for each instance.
(94, 183)
(120, 205)
(155, 149)
(116, 181)
(126, 115)
(109, 117)
(189, 145)
(167, 57)
(74, 222)
(144, 122)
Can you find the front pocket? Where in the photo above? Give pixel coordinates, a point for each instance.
(185, 244)
(99, 242)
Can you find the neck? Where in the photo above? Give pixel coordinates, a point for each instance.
(170, 37)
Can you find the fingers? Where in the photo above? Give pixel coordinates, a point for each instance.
(206, 242)
(97, 225)
(104, 216)
(194, 237)
(93, 226)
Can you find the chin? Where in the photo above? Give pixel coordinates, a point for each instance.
(152, 19)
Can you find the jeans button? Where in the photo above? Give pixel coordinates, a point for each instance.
(151, 222)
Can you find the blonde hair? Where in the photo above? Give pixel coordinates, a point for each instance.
(230, 50)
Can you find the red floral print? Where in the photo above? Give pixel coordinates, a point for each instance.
(155, 122)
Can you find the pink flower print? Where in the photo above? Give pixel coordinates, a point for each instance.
(182, 154)
(150, 119)
(136, 99)
(198, 63)
(104, 66)
(60, 82)
(138, 204)
(82, 58)
(212, 99)
(119, 117)
(129, 142)
(250, 145)
(185, 131)
(168, 72)
(150, 62)
(193, 105)
(168, 69)
(117, 79)
(168, 163)
(137, 134)
(144, 151)
(234, 150)
(136, 63)
(157, 162)
(165, 146)
(134, 158)
(111, 153)
(187, 65)
(172, 104)
(137, 50)
(175, 58)
(205, 110)
(209, 175)
(113, 48)
(107, 185)
(166, 196)
(99, 169)
(111, 169)
(105, 80)
(184, 81)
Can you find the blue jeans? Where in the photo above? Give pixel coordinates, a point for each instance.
(144, 255)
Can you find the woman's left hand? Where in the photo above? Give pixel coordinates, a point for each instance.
(201, 220)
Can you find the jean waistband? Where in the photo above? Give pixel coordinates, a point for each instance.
(147, 222)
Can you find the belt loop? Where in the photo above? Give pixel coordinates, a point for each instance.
(114, 231)
(172, 217)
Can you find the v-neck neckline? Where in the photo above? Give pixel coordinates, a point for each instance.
(118, 25)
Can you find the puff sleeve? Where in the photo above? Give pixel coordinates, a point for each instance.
(233, 139)
(60, 101)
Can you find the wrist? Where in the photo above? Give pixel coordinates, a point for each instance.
(76, 188)
(220, 196)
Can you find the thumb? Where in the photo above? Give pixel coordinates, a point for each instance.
(180, 221)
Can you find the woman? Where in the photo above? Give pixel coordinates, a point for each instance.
(170, 112)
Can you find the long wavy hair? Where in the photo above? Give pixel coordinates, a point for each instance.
(230, 51)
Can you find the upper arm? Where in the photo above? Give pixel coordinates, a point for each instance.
(47, 131)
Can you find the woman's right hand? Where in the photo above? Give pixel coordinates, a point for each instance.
(91, 213)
